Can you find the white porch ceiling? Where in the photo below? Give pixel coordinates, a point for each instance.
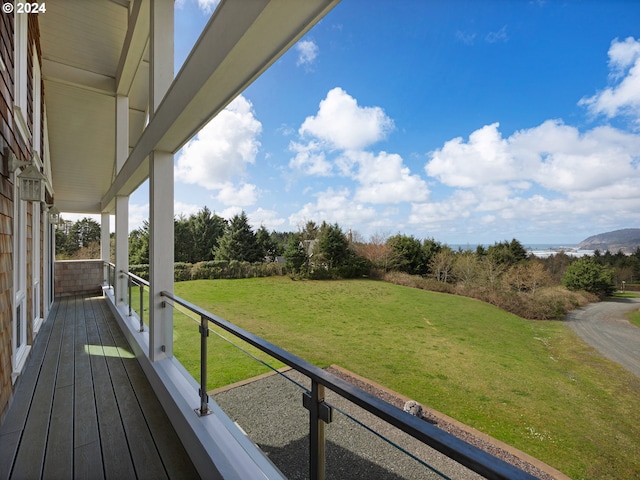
(81, 45)
(94, 50)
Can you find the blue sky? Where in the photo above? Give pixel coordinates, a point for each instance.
(466, 121)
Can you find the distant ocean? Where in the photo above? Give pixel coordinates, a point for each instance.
(540, 250)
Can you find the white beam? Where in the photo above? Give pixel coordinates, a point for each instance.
(77, 77)
(242, 39)
(134, 44)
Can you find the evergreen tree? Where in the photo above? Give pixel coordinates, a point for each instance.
(85, 231)
(507, 253)
(407, 254)
(65, 248)
(587, 274)
(430, 248)
(269, 248)
(139, 245)
(238, 242)
(182, 244)
(206, 230)
(333, 245)
(295, 254)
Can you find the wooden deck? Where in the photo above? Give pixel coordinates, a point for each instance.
(84, 408)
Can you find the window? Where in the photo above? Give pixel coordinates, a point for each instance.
(35, 273)
(37, 103)
(21, 76)
(19, 330)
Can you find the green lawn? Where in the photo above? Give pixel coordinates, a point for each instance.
(634, 317)
(532, 384)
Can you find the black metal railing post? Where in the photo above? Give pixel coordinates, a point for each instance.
(129, 287)
(204, 398)
(141, 308)
(316, 434)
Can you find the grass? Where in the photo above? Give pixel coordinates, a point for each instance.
(634, 317)
(531, 384)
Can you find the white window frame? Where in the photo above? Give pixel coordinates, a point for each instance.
(35, 264)
(21, 76)
(36, 217)
(19, 351)
(37, 104)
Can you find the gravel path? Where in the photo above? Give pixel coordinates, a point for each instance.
(270, 411)
(603, 326)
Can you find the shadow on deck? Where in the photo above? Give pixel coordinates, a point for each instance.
(84, 408)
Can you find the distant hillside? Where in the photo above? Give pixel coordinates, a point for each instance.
(626, 240)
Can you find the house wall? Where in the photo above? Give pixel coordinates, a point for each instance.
(11, 140)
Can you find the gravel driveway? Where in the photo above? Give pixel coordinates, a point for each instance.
(603, 326)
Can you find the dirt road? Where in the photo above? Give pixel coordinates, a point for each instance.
(603, 326)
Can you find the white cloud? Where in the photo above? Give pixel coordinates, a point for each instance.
(465, 37)
(185, 209)
(568, 161)
(485, 158)
(222, 149)
(555, 156)
(384, 179)
(208, 6)
(344, 125)
(268, 218)
(552, 178)
(241, 195)
(307, 52)
(623, 55)
(335, 206)
(623, 97)
(230, 212)
(310, 159)
(499, 36)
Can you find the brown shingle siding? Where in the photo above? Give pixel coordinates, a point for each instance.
(11, 139)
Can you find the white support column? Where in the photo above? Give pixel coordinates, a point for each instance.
(105, 244)
(122, 248)
(160, 187)
(161, 253)
(122, 202)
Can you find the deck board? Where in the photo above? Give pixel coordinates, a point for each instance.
(84, 408)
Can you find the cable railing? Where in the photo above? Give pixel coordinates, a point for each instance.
(136, 289)
(142, 286)
(110, 276)
(321, 413)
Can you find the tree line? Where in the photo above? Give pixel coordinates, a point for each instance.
(209, 246)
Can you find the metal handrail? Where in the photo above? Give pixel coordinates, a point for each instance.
(141, 283)
(111, 268)
(462, 452)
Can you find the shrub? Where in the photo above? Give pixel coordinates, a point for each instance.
(588, 275)
(141, 271)
(182, 271)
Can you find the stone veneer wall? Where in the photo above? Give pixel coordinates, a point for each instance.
(74, 277)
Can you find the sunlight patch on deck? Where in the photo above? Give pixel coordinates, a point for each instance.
(107, 351)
